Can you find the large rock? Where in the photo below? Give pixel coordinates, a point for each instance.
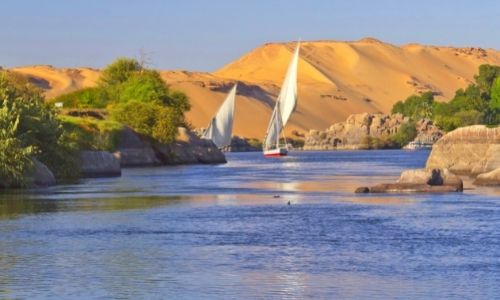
(412, 188)
(419, 181)
(99, 164)
(190, 149)
(240, 144)
(132, 151)
(488, 179)
(433, 177)
(40, 175)
(352, 133)
(468, 150)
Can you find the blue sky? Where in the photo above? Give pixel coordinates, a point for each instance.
(206, 34)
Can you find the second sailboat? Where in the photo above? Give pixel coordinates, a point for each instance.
(283, 109)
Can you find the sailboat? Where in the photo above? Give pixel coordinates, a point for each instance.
(285, 106)
(221, 126)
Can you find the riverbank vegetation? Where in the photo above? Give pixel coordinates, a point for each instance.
(136, 97)
(32, 129)
(29, 129)
(479, 103)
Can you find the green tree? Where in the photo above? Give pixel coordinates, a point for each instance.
(15, 158)
(495, 95)
(416, 107)
(37, 127)
(119, 71)
(146, 86)
(151, 119)
(487, 74)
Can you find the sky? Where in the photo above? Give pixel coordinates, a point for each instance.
(204, 35)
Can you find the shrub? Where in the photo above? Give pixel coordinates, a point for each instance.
(15, 158)
(119, 71)
(150, 119)
(37, 132)
(85, 98)
(91, 134)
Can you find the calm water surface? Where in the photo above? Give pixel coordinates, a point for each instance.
(225, 232)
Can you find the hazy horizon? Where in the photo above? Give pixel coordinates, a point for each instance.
(203, 36)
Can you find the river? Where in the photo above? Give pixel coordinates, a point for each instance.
(226, 232)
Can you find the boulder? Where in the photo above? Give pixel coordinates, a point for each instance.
(433, 177)
(468, 150)
(488, 179)
(240, 144)
(40, 175)
(132, 151)
(412, 188)
(99, 164)
(419, 181)
(190, 149)
(362, 190)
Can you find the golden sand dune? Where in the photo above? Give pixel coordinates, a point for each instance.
(336, 79)
(59, 81)
(340, 78)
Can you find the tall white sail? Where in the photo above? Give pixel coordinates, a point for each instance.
(285, 104)
(221, 126)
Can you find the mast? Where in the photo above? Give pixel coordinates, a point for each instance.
(285, 104)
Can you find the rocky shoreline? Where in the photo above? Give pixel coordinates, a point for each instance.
(133, 151)
(468, 151)
(352, 134)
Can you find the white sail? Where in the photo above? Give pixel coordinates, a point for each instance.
(285, 104)
(221, 126)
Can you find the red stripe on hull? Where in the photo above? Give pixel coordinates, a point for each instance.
(275, 155)
(276, 152)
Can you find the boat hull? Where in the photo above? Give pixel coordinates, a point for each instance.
(276, 152)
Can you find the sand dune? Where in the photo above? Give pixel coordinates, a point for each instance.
(59, 81)
(336, 79)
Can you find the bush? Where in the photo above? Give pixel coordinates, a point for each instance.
(415, 107)
(85, 98)
(91, 134)
(37, 132)
(119, 71)
(150, 119)
(15, 158)
(406, 133)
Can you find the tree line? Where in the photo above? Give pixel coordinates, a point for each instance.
(478, 103)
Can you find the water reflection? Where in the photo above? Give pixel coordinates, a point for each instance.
(227, 232)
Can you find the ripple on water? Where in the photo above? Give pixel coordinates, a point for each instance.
(226, 232)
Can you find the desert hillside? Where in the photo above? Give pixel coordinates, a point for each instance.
(336, 79)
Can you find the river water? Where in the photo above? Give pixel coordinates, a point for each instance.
(226, 232)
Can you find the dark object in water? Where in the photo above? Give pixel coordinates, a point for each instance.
(362, 190)
(289, 203)
(276, 196)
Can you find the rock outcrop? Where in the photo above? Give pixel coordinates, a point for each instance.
(433, 177)
(427, 132)
(410, 188)
(352, 133)
(189, 149)
(134, 152)
(468, 150)
(488, 179)
(240, 144)
(99, 164)
(419, 181)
